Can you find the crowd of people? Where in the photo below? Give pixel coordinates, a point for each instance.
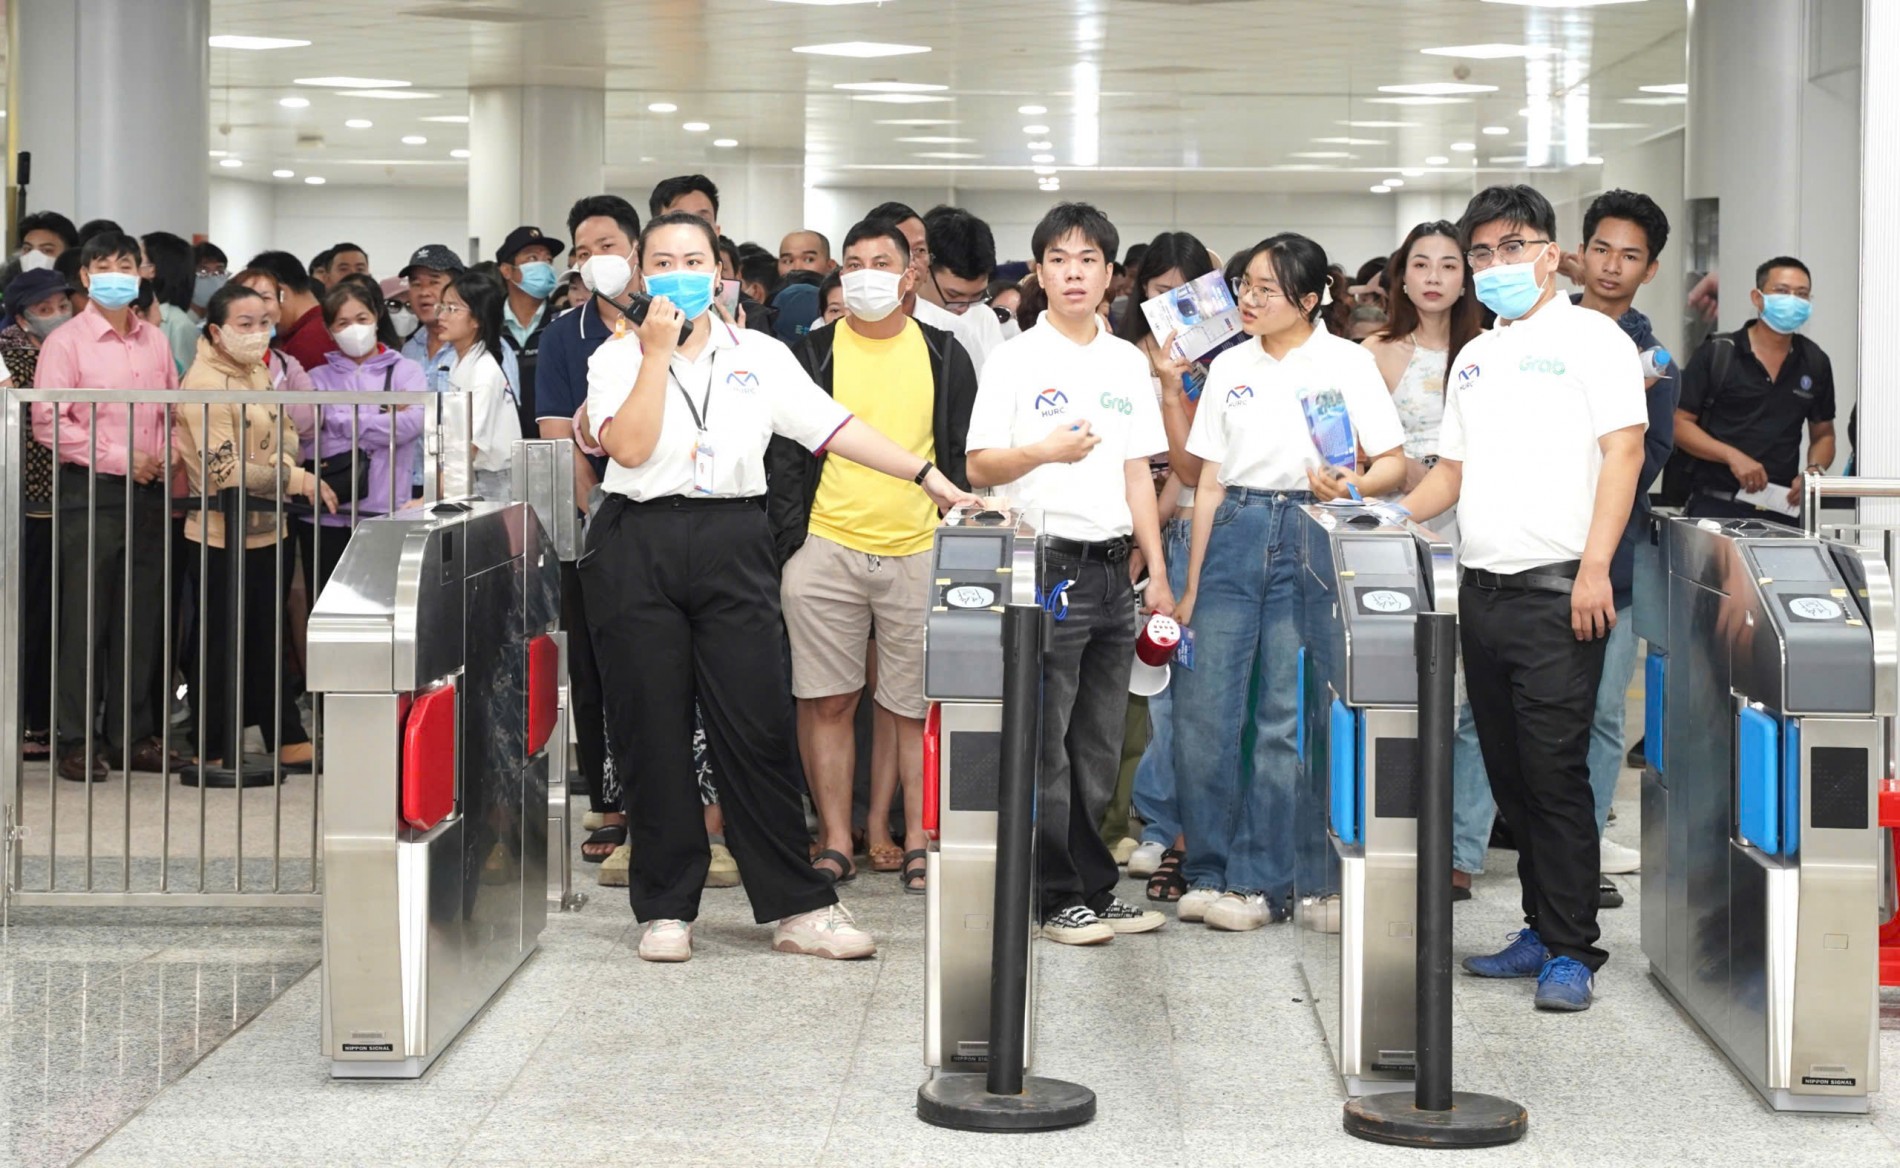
(766, 441)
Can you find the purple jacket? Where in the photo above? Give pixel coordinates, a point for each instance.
(372, 425)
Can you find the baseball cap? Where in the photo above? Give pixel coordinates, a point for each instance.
(797, 307)
(522, 238)
(436, 258)
(395, 288)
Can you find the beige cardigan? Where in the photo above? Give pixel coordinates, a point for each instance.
(270, 455)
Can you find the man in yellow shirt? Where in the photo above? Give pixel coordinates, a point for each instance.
(855, 545)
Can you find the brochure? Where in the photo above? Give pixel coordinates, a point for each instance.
(1201, 315)
(1330, 427)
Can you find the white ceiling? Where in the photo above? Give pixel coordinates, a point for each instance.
(1190, 94)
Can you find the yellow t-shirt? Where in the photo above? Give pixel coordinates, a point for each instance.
(888, 385)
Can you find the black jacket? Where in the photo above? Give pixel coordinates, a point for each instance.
(793, 474)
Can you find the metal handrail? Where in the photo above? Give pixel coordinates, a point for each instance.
(1818, 487)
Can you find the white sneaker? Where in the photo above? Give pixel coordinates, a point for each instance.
(1124, 848)
(1320, 914)
(1145, 859)
(614, 869)
(1193, 904)
(823, 932)
(723, 872)
(1123, 917)
(1613, 859)
(667, 940)
(1076, 925)
(1238, 912)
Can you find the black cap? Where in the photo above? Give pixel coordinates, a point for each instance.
(29, 288)
(436, 258)
(522, 238)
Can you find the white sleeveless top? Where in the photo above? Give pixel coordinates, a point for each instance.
(1420, 399)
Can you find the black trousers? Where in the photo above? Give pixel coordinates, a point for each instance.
(319, 562)
(36, 619)
(682, 599)
(1533, 690)
(583, 689)
(263, 598)
(126, 654)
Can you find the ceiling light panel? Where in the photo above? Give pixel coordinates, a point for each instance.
(1438, 88)
(1418, 99)
(861, 49)
(256, 43)
(890, 87)
(1352, 141)
(351, 83)
(390, 94)
(899, 98)
(1681, 87)
(1488, 52)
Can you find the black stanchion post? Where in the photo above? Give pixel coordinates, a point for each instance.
(1007, 1099)
(1435, 1116)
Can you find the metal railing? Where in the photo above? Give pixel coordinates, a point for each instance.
(127, 838)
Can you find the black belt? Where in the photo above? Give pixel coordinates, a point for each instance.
(1544, 578)
(689, 502)
(1108, 551)
(1712, 493)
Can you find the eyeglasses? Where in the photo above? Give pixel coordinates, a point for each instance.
(450, 309)
(1258, 293)
(1510, 251)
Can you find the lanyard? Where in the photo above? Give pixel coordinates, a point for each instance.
(703, 411)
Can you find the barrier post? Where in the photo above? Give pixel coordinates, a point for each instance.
(1007, 1099)
(1435, 1116)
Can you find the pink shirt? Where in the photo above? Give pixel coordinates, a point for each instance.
(88, 353)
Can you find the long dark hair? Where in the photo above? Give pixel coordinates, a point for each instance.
(1467, 320)
(484, 295)
(174, 272)
(1167, 252)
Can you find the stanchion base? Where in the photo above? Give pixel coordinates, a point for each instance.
(963, 1102)
(255, 773)
(1474, 1121)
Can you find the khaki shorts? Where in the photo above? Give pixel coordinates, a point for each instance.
(831, 595)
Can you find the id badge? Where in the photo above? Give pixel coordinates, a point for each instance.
(703, 466)
(1184, 652)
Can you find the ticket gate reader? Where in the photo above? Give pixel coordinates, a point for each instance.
(432, 648)
(1364, 580)
(1761, 867)
(981, 561)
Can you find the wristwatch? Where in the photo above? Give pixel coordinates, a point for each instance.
(925, 472)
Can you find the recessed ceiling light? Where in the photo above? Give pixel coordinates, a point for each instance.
(1412, 173)
(257, 44)
(1438, 88)
(1045, 158)
(283, 174)
(1043, 145)
(1463, 147)
(935, 140)
(1352, 141)
(448, 119)
(463, 153)
(294, 102)
(861, 49)
(891, 86)
(1505, 160)
(1496, 130)
(1035, 131)
(1489, 52)
(414, 140)
(725, 143)
(351, 83)
(917, 122)
(1681, 87)
(1619, 125)
(1437, 160)
(1655, 101)
(220, 153)
(392, 94)
(1045, 170)
(898, 98)
(1418, 99)
(943, 154)
(1032, 110)
(1593, 160)
(315, 180)
(1321, 154)
(231, 163)
(662, 107)
(695, 127)
(1382, 189)
(359, 123)
(1395, 182)
(1561, 3)
(1361, 125)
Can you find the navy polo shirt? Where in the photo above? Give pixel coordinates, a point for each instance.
(561, 365)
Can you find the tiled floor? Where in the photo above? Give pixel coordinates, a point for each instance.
(1199, 1045)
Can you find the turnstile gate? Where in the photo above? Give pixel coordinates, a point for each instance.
(1365, 579)
(432, 645)
(981, 561)
(1761, 871)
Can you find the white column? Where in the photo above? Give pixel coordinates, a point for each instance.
(762, 195)
(1879, 298)
(533, 150)
(111, 98)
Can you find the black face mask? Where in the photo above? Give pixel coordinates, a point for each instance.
(635, 310)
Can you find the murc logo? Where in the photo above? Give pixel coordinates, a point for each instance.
(740, 379)
(1239, 394)
(1051, 402)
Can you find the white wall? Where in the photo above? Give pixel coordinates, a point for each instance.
(390, 222)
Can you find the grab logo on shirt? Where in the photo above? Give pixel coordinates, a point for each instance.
(742, 380)
(1551, 365)
(1240, 395)
(1120, 405)
(1052, 403)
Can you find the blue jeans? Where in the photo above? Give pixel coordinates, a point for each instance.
(1471, 807)
(1606, 732)
(1154, 777)
(1238, 813)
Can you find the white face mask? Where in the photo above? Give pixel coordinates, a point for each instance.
(357, 340)
(35, 260)
(870, 294)
(608, 275)
(405, 322)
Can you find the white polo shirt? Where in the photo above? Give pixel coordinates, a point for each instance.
(1527, 405)
(1040, 381)
(1250, 419)
(746, 385)
(978, 330)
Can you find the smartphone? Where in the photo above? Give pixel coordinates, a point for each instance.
(729, 297)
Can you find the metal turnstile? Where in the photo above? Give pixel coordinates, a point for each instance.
(433, 647)
(1768, 682)
(980, 562)
(1364, 581)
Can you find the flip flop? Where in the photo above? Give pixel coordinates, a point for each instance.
(886, 857)
(915, 871)
(847, 871)
(614, 834)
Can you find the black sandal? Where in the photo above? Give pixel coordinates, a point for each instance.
(847, 871)
(35, 748)
(915, 869)
(613, 834)
(1167, 885)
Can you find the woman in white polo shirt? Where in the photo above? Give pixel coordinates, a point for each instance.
(1253, 462)
(682, 594)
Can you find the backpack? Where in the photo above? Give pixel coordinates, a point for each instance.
(1678, 475)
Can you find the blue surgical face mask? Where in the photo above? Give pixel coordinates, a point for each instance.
(1784, 313)
(205, 286)
(112, 289)
(690, 291)
(538, 278)
(1510, 290)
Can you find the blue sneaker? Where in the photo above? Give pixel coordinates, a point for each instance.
(1565, 984)
(1525, 957)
